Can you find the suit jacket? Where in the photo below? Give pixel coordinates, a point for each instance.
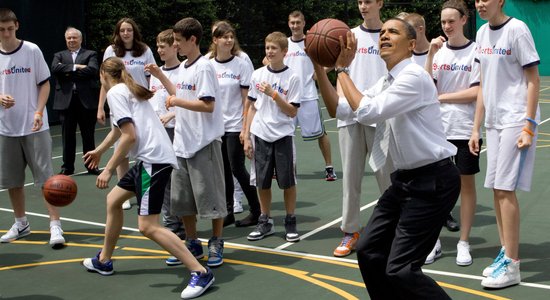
(84, 79)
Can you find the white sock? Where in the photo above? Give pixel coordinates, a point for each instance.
(55, 223)
(21, 222)
(465, 243)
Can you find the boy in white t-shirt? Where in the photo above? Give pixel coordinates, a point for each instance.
(508, 99)
(168, 53)
(24, 129)
(309, 115)
(422, 45)
(356, 140)
(268, 138)
(198, 187)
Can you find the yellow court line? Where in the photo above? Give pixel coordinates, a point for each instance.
(443, 284)
(470, 291)
(292, 272)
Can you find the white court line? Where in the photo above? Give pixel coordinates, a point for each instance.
(298, 254)
(283, 246)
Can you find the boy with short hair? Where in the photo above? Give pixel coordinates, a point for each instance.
(24, 131)
(309, 116)
(196, 188)
(275, 93)
(168, 53)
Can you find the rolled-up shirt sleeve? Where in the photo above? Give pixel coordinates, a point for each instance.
(402, 96)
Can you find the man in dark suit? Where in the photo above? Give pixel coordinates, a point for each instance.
(76, 72)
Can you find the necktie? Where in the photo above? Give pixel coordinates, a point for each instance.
(379, 151)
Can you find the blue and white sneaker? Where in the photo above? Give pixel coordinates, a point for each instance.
(194, 246)
(505, 274)
(198, 284)
(489, 270)
(215, 252)
(94, 265)
(16, 233)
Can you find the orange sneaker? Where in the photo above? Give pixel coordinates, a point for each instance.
(347, 245)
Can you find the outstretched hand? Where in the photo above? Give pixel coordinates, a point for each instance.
(91, 159)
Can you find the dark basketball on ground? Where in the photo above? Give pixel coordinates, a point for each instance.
(60, 190)
(322, 41)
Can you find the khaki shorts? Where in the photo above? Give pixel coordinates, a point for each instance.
(33, 150)
(198, 186)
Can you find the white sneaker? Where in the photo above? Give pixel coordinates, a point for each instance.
(488, 270)
(126, 205)
(237, 206)
(16, 233)
(463, 257)
(506, 274)
(56, 237)
(436, 253)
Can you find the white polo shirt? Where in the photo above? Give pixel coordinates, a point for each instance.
(270, 123)
(134, 65)
(22, 71)
(152, 142)
(411, 107)
(195, 130)
(504, 51)
(454, 70)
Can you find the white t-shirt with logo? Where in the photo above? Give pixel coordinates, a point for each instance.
(300, 63)
(270, 123)
(365, 70)
(233, 76)
(454, 69)
(152, 142)
(419, 58)
(503, 52)
(22, 71)
(196, 130)
(134, 65)
(159, 99)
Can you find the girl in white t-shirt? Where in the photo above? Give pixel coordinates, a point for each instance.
(509, 100)
(141, 135)
(451, 62)
(233, 75)
(127, 44)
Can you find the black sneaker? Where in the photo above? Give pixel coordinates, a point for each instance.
(451, 223)
(290, 228)
(329, 174)
(228, 220)
(249, 220)
(263, 229)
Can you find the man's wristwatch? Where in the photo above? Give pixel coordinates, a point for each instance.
(342, 69)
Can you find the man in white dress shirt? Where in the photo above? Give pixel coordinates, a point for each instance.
(424, 188)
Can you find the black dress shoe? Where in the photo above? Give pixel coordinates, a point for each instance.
(95, 171)
(249, 220)
(66, 172)
(228, 220)
(451, 223)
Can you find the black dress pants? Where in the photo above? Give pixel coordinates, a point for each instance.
(76, 114)
(403, 229)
